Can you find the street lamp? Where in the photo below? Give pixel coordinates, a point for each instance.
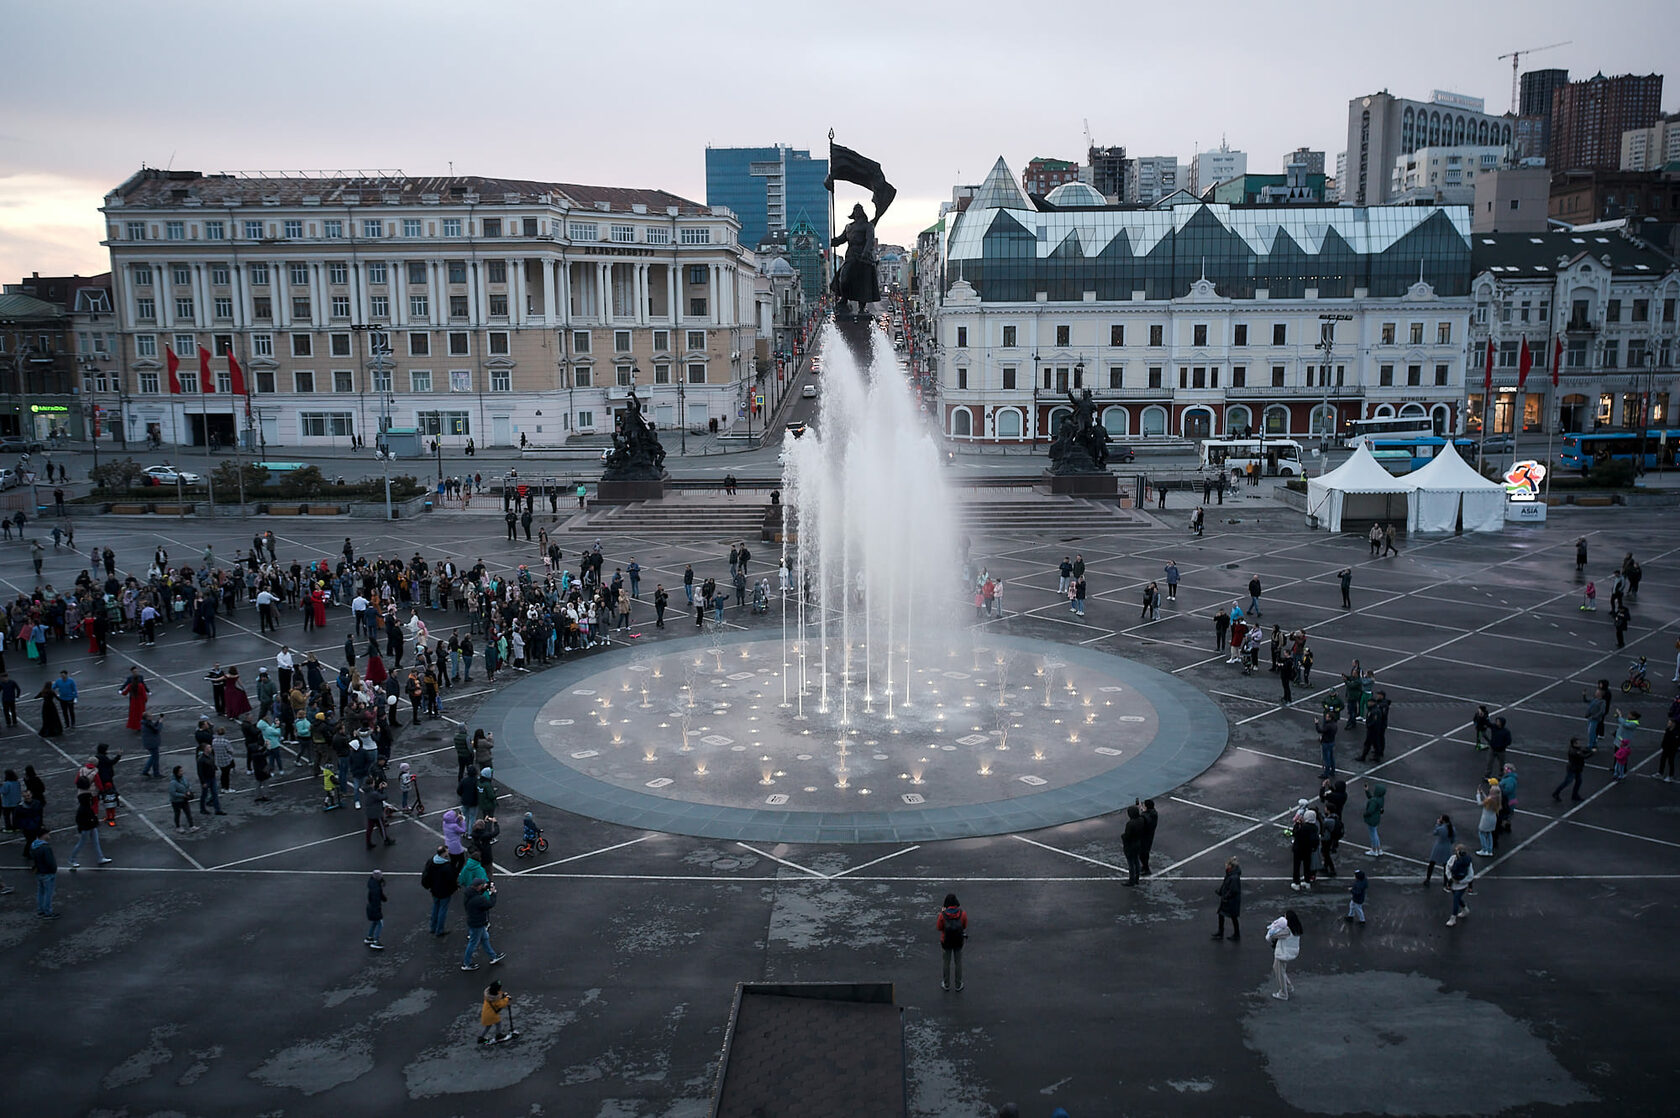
(1327, 344)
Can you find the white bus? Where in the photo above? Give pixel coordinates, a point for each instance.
(1358, 429)
(1279, 457)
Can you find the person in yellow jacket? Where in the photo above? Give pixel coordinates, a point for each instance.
(496, 1002)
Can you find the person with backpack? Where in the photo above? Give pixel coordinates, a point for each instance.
(438, 877)
(1284, 934)
(952, 926)
(463, 753)
(1460, 874)
(1303, 846)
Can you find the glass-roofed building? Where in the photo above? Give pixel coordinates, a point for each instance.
(1190, 319)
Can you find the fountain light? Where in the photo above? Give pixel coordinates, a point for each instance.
(985, 768)
(1074, 737)
(649, 755)
(618, 738)
(1038, 753)
(700, 769)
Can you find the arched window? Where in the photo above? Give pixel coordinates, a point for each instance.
(1117, 422)
(1411, 410)
(1458, 129)
(1154, 421)
(1277, 420)
(1056, 417)
(1196, 423)
(1384, 411)
(1238, 419)
(1505, 134)
(1440, 417)
(1008, 423)
(960, 423)
(1482, 134)
(1323, 420)
(1434, 129)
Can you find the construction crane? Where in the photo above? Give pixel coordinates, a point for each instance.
(1516, 61)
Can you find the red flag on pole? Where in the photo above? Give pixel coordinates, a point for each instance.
(1525, 362)
(1487, 376)
(1557, 360)
(206, 380)
(173, 363)
(236, 376)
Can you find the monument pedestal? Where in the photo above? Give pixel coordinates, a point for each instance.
(623, 492)
(1101, 486)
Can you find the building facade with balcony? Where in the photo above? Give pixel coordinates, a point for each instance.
(1198, 320)
(1610, 298)
(461, 307)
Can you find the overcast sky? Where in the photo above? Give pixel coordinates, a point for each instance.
(630, 94)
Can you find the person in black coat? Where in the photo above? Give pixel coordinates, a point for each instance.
(1376, 727)
(1230, 900)
(1131, 841)
(375, 910)
(1150, 819)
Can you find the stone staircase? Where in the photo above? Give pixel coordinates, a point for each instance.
(1043, 514)
(705, 516)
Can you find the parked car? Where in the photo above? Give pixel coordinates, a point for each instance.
(20, 444)
(1119, 452)
(9, 478)
(169, 475)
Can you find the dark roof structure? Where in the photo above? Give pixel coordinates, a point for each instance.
(1520, 255)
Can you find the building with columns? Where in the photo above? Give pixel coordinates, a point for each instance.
(460, 306)
(1192, 320)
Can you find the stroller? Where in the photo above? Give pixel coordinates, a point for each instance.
(760, 599)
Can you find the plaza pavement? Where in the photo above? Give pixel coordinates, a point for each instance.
(222, 972)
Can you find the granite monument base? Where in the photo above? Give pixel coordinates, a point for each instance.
(623, 492)
(1081, 485)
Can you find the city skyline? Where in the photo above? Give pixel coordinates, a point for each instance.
(929, 113)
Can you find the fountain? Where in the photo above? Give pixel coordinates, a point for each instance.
(871, 680)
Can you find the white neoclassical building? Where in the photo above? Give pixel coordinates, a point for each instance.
(459, 307)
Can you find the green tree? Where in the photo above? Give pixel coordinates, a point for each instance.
(123, 473)
(303, 483)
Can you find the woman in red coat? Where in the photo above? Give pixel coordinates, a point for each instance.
(318, 599)
(135, 689)
(235, 701)
(90, 627)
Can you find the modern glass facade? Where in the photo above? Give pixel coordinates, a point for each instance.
(1012, 254)
(771, 189)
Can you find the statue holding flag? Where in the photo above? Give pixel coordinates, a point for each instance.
(855, 280)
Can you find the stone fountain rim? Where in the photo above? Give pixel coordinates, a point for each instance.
(1191, 735)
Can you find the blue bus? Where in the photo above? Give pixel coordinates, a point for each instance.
(1582, 450)
(1401, 454)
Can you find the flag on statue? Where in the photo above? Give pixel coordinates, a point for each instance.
(846, 165)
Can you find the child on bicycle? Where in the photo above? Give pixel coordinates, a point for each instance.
(531, 832)
(1636, 673)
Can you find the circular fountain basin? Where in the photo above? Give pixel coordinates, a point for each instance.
(693, 737)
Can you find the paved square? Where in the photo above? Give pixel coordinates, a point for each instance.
(221, 972)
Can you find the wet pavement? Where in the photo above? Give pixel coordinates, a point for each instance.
(223, 971)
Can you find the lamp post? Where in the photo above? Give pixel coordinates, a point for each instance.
(1645, 407)
(1327, 344)
(682, 410)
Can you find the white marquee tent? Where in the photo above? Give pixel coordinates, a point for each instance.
(1358, 489)
(1449, 486)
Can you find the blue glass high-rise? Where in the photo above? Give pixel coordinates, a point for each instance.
(771, 189)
